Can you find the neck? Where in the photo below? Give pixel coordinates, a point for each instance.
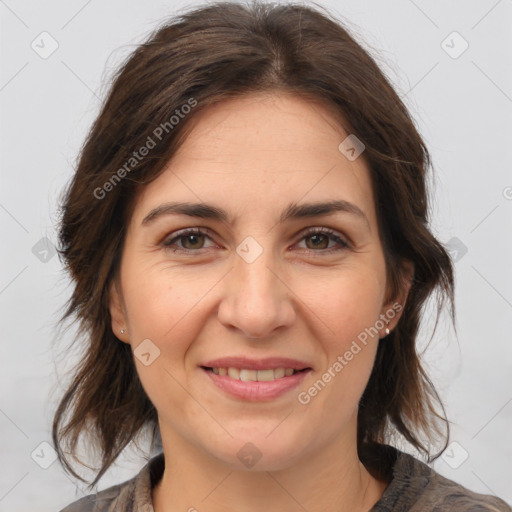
(330, 479)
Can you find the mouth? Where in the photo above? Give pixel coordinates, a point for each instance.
(255, 381)
(251, 375)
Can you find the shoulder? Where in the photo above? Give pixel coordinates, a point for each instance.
(416, 487)
(134, 494)
(103, 501)
(446, 494)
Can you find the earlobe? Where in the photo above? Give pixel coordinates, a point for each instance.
(117, 313)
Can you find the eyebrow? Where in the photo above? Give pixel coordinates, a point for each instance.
(293, 211)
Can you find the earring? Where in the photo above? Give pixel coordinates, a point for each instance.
(122, 331)
(387, 331)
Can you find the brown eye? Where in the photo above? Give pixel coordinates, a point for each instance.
(319, 241)
(190, 240)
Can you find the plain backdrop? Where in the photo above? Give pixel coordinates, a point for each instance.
(450, 61)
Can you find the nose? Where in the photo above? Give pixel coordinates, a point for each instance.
(256, 299)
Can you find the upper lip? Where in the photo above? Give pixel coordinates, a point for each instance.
(256, 364)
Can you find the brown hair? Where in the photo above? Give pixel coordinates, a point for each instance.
(201, 57)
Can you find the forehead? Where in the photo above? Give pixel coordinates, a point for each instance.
(258, 153)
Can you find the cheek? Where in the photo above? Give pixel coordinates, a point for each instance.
(160, 303)
(349, 311)
(162, 307)
(349, 305)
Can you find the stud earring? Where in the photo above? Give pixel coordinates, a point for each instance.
(122, 331)
(387, 331)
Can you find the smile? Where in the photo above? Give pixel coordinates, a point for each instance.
(247, 375)
(245, 384)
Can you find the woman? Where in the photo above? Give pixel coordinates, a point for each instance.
(248, 237)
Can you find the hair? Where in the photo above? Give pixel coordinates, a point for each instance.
(198, 58)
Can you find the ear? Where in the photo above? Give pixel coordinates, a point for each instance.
(393, 309)
(118, 313)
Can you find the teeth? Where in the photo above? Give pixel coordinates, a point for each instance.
(280, 372)
(246, 375)
(234, 373)
(265, 375)
(249, 375)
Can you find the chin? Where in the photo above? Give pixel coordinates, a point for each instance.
(258, 452)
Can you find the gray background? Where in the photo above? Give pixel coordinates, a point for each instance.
(463, 107)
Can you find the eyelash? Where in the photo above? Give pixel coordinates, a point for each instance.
(343, 245)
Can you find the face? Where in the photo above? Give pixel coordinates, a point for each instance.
(271, 289)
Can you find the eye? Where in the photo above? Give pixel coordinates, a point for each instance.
(191, 240)
(320, 238)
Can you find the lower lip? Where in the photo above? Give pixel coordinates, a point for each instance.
(255, 391)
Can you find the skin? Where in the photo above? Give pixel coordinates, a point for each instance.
(252, 156)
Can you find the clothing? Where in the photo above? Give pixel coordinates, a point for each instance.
(413, 487)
